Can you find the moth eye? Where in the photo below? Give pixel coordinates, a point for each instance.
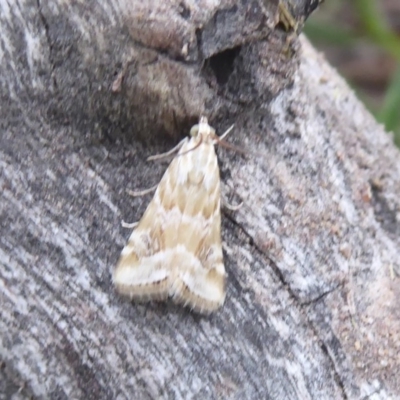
(194, 131)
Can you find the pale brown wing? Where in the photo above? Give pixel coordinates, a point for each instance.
(141, 272)
(200, 272)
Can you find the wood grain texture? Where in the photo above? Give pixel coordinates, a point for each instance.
(312, 290)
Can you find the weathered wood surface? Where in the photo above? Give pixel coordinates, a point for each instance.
(88, 91)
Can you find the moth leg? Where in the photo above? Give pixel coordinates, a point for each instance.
(130, 225)
(139, 193)
(229, 206)
(232, 207)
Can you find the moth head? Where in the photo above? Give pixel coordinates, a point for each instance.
(203, 130)
(204, 133)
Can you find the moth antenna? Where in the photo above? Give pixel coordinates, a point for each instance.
(229, 146)
(225, 134)
(190, 150)
(168, 153)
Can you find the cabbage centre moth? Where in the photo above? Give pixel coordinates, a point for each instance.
(175, 250)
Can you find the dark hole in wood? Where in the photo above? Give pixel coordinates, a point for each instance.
(222, 64)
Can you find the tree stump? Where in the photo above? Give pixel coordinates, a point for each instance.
(88, 91)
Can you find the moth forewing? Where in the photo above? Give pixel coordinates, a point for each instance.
(175, 251)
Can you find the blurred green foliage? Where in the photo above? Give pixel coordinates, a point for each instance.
(372, 27)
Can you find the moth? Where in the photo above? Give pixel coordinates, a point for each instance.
(175, 251)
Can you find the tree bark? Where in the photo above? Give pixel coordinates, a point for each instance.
(88, 91)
